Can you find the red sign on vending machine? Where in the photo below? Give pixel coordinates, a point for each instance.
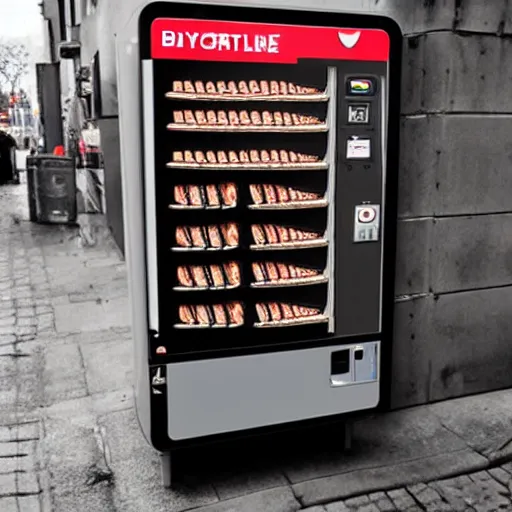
(224, 41)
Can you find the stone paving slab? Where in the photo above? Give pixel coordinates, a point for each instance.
(415, 433)
(484, 425)
(137, 471)
(240, 482)
(280, 499)
(8, 505)
(20, 489)
(29, 503)
(91, 316)
(103, 376)
(63, 375)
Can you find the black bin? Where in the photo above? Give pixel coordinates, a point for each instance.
(51, 187)
(8, 166)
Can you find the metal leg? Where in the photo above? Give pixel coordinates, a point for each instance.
(347, 441)
(166, 469)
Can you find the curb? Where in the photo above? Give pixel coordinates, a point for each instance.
(385, 478)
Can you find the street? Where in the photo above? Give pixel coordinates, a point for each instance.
(70, 441)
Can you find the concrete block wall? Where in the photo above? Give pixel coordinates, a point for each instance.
(453, 333)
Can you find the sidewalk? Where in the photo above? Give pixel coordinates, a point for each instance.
(70, 442)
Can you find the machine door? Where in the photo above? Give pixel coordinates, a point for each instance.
(266, 163)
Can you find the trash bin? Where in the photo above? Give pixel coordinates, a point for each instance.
(8, 169)
(51, 187)
(31, 165)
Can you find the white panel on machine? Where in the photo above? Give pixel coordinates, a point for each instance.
(238, 393)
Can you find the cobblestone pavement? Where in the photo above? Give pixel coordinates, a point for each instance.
(483, 491)
(25, 314)
(70, 441)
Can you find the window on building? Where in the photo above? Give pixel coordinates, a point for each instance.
(96, 87)
(72, 13)
(62, 20)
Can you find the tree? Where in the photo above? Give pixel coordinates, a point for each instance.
(13, 64)
(4, 101)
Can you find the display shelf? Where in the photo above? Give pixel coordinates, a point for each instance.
(204, 249)
(204, 288)
(301, 128)
(207, 326)
(319, 157)
(287, 246)
(263, 91)
(296, 322)
(213, 277)
(228, 315)
(246, 160)
(194, 207)
(284, 283)
(292, 205)
(311, 166)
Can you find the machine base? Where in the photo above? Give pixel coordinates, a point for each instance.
(170, 467)
(166, 469)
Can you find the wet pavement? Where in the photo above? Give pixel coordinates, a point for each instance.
(70, 441)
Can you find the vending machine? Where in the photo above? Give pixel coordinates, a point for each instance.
(260, 176)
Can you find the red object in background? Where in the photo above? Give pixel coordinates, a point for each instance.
(90, 156)
(4, 120)
(205, 40)
(59, 151)
(83, 148)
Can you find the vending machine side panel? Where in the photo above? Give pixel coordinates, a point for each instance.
(128, 73)
(361, 202)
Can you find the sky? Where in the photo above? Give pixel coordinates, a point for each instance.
(21, 21)
(20, 18)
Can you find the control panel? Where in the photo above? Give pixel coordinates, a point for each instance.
(367, 223)
(355, 364)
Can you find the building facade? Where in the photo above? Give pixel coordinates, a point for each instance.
(86, 22)
(454, 262)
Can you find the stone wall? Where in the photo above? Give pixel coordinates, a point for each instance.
(453, 332)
